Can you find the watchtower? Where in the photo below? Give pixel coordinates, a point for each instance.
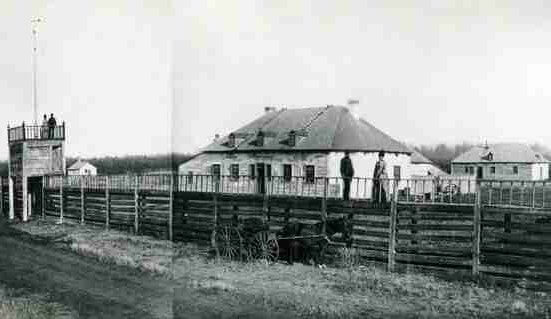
(35, 151)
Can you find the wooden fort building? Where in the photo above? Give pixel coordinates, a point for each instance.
(34, 151)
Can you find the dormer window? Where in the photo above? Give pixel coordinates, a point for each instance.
(231, 140)
(488, 157)
(292, 138)
(260, 139)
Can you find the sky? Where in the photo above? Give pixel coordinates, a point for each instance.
(152, 76)
(104, 67)
(425, 72)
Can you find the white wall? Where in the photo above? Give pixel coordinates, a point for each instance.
(421, 170)
(82, 170)
(540, 171)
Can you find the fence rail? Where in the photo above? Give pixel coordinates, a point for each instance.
(453, 191)
(36, 132)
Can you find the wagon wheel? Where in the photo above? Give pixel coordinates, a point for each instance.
(227, 242)
(265, 246)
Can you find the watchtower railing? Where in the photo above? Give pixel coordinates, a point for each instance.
(36, 132)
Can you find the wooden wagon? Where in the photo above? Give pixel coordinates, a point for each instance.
(252, 239)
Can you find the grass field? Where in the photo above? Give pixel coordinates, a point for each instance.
(343, 290)
(18, 305)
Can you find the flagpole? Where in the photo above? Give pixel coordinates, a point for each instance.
(35, 66)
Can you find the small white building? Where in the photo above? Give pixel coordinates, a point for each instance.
(82, 168)
(297, 147)
(423, 167)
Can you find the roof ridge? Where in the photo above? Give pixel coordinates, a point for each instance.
(337, 124)
(315, 117)
(268, 121)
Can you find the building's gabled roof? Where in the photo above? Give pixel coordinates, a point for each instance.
(418, 158)
(501, 153)
(78, 165)
(331, 128)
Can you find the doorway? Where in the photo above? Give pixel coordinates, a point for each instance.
(34, 186)
(261, 178)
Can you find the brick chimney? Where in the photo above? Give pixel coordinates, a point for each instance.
(268, 109)
(353, 107)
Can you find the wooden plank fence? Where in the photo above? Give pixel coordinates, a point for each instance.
(499, 239)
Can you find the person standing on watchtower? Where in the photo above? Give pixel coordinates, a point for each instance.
(347, 173)
(379, 180)
(51, 126)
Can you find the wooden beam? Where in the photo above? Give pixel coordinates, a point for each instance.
(136, 206)
(1, 196)
(107, 202)
(392, 230)
(61, 201)
(82, 201)
(324, 208)
(171, 208)
(43, 198)
(476, 230)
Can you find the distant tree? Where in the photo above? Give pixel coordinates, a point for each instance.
(442, 155)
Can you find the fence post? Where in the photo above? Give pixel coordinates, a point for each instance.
(392, 230)
(2, 195)
(215, 202)
(82, 201)
(171, 207)
(476, 230)
(136, 205)
(107, 202)
(324, 207)
(43, 198)
(61, 201)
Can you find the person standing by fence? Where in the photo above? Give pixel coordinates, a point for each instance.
(51, 126)
(379, 180)
(347, 173)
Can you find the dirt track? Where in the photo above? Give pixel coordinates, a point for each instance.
(93, 289)
(97, 290)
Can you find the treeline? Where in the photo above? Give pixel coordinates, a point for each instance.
(441, 154)
(135, 164)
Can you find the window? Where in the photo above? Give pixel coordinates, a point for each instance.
(397, 172)
(260, 139)
(471, 170)
(515, 170)
(231, 140)
(310, 173)
(292, 138)
(287, 172)
(466, 169)
(234, 171)
(215, 170)
(492, 170)
(269, 171)
(541, 172)
(252, 173)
